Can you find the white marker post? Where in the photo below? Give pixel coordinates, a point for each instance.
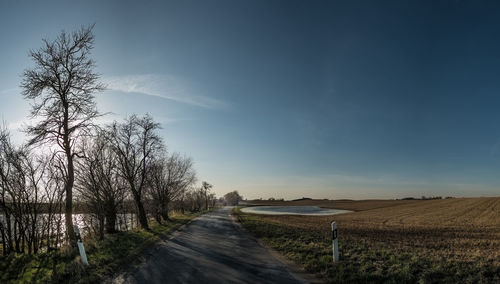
(335, 242)
(79, 242)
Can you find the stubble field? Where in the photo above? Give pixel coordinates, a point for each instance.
(412, 241)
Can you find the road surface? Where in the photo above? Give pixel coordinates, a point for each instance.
(212, 249)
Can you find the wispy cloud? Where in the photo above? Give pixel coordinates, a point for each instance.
(16, 125)
(9, 91)
(21, 124)
(163, 86)
(112, 117)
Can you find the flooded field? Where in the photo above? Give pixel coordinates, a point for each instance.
(293, 210)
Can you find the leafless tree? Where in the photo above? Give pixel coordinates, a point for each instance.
(98, 183)
(232, 198)
(62, 86)
(169, 178)
(8, 198)
(32, 196)
(212, 200)
(54, 195)
(194, 199)
(135, 143)
(205, 188)
(22, 178)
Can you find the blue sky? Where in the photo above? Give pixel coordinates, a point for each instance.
(326, 99)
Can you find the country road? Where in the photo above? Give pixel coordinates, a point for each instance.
(212, 249)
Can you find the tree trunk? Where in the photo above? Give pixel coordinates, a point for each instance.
(36, 244)
(4, 248)
(16, 236)
(101, 227)
(8, 222)
(34, 235)
(23, 243)
(110, 213)
(164, 211)
(57, 243)
(50, 220)
(68, 213)
(141, 213)
(158, 216)
(206, 200)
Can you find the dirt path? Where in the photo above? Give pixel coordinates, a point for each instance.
(212, 249)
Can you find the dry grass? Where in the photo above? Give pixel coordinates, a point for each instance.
(104, 256)
(454, 235)
(462, 227)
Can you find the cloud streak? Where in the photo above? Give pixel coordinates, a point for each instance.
(162, 86)
(10, 91)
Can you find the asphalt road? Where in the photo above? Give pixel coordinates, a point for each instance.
(211, 249)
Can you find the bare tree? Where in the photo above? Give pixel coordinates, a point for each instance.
(8, 198)
(205, 188)
(212, 200)
(136, 143)
(194, 199)
(169, 178)
(232, 198)
(62, 86)
(22, 176)
(98, 183)
(54, 195)
(32, 195)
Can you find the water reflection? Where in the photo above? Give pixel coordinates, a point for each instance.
(293, 210)
(53, 225)
(89, 224)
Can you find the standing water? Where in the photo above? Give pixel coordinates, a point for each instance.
(293, 210)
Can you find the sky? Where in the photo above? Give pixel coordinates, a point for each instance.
(291, 99)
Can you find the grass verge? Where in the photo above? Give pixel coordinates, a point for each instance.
(104, 256)
(367, 259)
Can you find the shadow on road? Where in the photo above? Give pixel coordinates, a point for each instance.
(212, 249)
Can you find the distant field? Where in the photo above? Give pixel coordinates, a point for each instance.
(354, 205)
(445, 240)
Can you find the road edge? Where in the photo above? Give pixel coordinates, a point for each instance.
(119, 276)
(297, 271)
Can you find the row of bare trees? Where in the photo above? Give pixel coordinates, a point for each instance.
(31, 195)
(115, 169)
(123, 168)
(128, 161)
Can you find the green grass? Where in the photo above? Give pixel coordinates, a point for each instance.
(364, 261)
(105, 257)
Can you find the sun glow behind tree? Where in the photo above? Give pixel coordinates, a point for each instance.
(61, 87)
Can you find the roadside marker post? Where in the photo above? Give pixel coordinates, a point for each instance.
(335, 242)
(81, 248)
